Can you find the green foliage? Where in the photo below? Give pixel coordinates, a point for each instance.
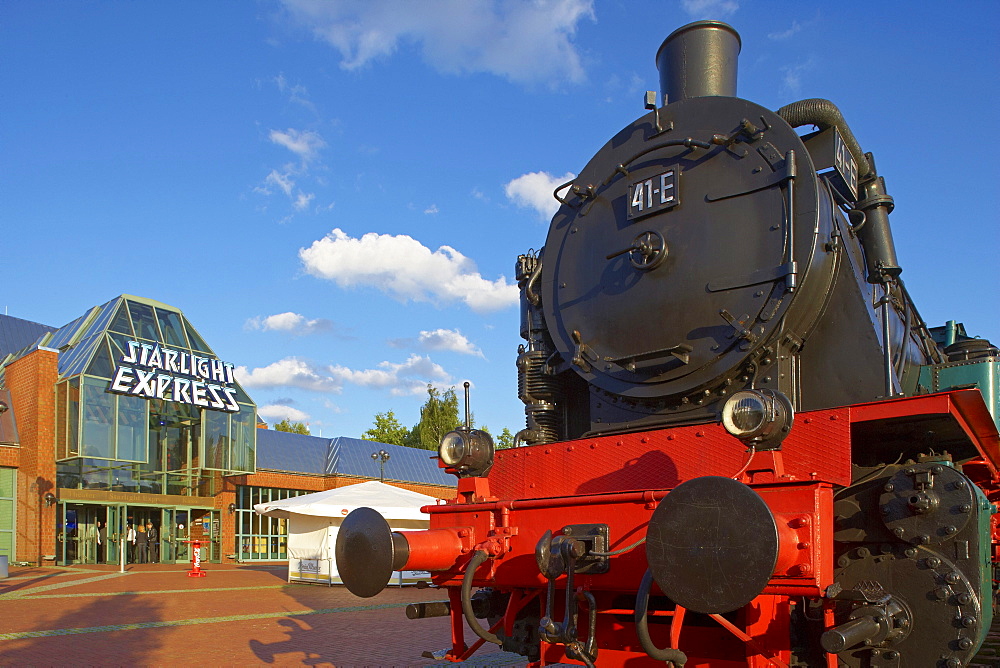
(294, 427)
(387, 429)
(438, 416)
(505, 439)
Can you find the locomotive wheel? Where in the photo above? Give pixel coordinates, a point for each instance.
(944, 610)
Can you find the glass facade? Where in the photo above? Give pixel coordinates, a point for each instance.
(8, 511)
(260, 538)
(146, 439)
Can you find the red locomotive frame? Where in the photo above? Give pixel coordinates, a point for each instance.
(542, 488)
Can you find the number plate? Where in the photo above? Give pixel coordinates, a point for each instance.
(651, 195)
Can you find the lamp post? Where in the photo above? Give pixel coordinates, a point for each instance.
(381, 457)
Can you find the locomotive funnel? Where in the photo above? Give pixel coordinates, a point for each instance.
(699, 60)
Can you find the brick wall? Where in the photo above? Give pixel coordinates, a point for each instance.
(31, 381)
(10, 455)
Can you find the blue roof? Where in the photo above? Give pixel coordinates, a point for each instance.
(299, 453)
(16, 334)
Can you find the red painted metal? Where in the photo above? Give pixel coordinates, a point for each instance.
(195, 571)
(618, 481)
(433, 550)
(664, 458)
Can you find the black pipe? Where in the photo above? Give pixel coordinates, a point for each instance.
(875, 235)
(699, 60)
(678, 657)
(824, 114)
(477, 560)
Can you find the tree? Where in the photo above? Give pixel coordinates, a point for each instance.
(438, 416)
(294, 427)
(505, 439)
(387, 429)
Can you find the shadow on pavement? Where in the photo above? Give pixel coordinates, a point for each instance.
(10, 587)
(355, 631)
(122, 641)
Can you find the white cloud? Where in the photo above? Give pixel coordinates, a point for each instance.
(305, 144)
(293, 323)
(450, 340)
(278, 412)
(302, 201)
(785, 34)
(400, 379)
(296, 93)
(791, 80)
(534, 191)
(709, 9)
(432, 209)
(289, 372)
(409, 378)
(406, 269)
(282, 181)
(523, 41)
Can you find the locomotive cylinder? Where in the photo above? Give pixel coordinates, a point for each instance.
(699, 60)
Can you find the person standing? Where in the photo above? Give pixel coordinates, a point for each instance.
(102, 542)
(152, 538)
(141, 543)
(130, 543)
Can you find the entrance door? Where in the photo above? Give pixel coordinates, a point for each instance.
(147, 551)
(114, 533)
(82, 533)
(182, 533)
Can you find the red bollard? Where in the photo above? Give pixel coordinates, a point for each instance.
(195, 571)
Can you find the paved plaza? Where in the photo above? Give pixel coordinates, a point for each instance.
(154, 614)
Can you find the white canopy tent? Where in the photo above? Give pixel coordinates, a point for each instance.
(314, 520)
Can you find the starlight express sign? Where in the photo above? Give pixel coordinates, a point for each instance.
(155, 372)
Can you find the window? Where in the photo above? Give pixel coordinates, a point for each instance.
(260, 538)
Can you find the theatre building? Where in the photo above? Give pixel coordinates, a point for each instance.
(125, 417)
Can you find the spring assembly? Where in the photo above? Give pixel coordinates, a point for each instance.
(541, 394)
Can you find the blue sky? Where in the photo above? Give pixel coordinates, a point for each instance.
(335, 192)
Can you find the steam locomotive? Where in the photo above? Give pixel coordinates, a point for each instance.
(743, 446)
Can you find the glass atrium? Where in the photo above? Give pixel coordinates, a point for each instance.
(140, 442)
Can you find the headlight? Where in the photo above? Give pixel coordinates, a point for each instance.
(468, 452)
(452, 448)
(761, 418)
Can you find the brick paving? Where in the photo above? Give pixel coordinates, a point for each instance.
(238, 615)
